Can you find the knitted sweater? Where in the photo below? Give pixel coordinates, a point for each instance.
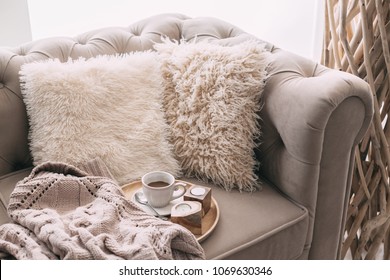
(62, 212)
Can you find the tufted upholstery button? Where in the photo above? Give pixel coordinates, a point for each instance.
(135, 31)
(22, 51)
(1, 85)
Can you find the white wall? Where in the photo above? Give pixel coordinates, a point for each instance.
(14, 22)
(290, 24)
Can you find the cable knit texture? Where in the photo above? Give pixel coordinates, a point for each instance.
(63, 212)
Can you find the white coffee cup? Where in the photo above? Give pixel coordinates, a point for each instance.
(160, 188)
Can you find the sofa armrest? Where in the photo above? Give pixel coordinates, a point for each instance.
(312, 119)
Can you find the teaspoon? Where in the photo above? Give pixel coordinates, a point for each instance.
(140, 198)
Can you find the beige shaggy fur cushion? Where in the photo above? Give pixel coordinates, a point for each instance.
(107, 107)
(212, 100)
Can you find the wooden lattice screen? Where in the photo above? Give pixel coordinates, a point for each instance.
(356, 40)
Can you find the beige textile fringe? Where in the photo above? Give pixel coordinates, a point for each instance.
(356, 40)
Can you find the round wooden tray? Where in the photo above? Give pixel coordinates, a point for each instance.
(209, 221)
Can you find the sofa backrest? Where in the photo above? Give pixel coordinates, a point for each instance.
(14, 151)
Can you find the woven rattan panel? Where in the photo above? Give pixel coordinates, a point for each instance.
(356, 40)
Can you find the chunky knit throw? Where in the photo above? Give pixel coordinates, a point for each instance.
(63, 212)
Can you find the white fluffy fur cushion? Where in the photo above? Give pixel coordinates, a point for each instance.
(212, 99)
(107, 107)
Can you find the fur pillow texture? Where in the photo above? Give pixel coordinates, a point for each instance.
(212, 99)
(106, 107)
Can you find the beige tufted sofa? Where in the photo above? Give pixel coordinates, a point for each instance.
(312, 119)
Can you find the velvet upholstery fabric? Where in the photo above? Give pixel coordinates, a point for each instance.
(312, 119)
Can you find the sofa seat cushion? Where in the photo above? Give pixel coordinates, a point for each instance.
(7, 185)
(258, 225)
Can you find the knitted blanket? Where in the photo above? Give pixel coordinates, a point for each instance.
(63, 212)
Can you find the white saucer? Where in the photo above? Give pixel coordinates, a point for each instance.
(164, 211)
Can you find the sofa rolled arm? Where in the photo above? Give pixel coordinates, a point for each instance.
(312, 119)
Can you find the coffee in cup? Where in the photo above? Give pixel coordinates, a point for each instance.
(160, 188)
